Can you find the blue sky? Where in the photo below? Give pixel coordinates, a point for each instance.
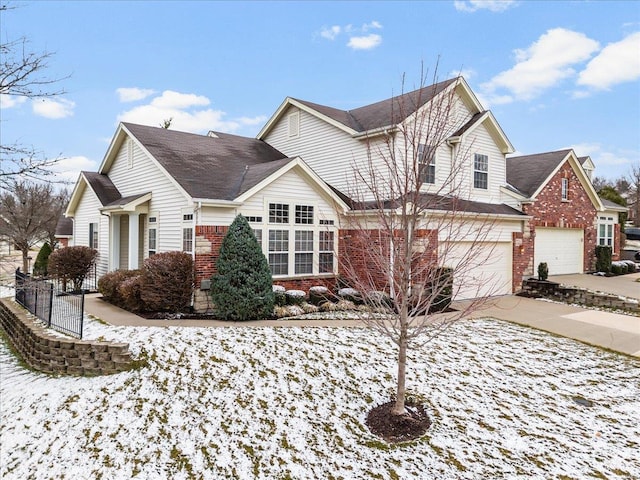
(555, 74)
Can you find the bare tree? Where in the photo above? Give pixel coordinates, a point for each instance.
(633, 199)
(28, 215)
(21, 75)
(412, 238)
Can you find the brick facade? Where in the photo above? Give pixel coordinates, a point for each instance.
(550, 210)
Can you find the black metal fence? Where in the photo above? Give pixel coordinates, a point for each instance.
(58, 309)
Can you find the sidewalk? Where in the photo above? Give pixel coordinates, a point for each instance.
(620, 333)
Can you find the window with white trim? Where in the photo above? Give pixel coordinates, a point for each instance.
(565, 189)
(304, 214)
(278, 213)
(93, 235)
(325, 260)
(153, 234)
(427, 163)
(480, 171)
(303, 252)
(187, 232)
(279, 252)
(605, 231)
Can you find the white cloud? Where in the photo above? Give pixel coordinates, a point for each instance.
(133, 94)
(68, 169)
(330, 33)
(10, 101)
(171, 99)
(543, 65)
(183, 109)
(365, 43)
(358, 38)
(491, 5)
(610, 162)
(618, 62)
(49, 108)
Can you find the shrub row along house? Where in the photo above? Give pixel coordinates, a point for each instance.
(298, 184)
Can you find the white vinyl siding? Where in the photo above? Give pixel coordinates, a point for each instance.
(87, 212)
(166, 197)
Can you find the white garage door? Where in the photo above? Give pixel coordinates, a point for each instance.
(479, 270)
(561, 248)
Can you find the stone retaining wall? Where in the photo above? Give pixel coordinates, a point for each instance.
(582, 296)
(60, 355)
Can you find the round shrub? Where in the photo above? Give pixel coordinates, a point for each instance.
(167, 282)
(242, 287)
(280, 297)
(130, 291)
(295, 297)
(309, 308)
(71, 265)
(109, 285)
(319, 295)
(350, 294)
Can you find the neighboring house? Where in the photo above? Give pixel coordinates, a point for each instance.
(160, 190)
(64, 232)
(568, 219)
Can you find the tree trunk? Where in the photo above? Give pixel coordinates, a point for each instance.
(25, 261)
(398, 408)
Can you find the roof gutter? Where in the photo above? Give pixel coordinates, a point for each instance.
(376, 132)
(208, 202)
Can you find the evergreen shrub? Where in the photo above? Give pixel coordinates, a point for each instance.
(603, 258)
(40, 267)
(242, 287)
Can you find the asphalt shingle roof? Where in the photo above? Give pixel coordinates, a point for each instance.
(217, 167)
(103, 187)
(64, 227)
(384, 113)
(527, 173)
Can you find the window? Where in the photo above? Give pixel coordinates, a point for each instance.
(427, 163)
(605, 231)
(279, 252)
(327, 222)
(294, 124)
(278, 213)
(304, 252)
(153, 235)
(480, 171)
(187, 216)
(326, 252)
(93, 235)
(254, 219)
(304, 215)
(187, 240)
(565, 189)
(258, 234)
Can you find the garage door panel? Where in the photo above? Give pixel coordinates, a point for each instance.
(562, 249)
(479, 270)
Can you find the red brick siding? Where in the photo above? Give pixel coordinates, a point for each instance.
(522, 259)
(307, 282)
(205, 262)
(549, 210)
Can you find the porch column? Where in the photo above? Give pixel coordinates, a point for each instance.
(134, 236)
(114, 241)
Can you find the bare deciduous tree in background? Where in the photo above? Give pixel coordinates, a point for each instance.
(21, 76)
(410, 221)
(29, 214)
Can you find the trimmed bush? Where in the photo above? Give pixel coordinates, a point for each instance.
(130, 293)
(319, 294)
(543, 271)
(295, 297)
(109, 285)
(603, 258)
(167, 282)
(72, 265)
(379, 300)
(40, 267)
(280, 298)
(242, 287)
(350, 294)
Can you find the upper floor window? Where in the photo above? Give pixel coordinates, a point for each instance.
(427, 163)
(304, 214)
(481, 171)
(278, 213)
(565, 189)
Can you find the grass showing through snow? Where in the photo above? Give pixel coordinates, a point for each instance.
(290, 403)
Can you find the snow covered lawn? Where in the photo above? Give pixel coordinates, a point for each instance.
(290, 403)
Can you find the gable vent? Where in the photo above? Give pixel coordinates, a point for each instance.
(294, 124)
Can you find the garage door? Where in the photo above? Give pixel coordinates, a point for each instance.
(479, 270)
(561, 248)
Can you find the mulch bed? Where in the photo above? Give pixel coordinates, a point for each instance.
(392, 428)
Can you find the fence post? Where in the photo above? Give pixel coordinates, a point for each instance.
(81, 315)
(50, 304)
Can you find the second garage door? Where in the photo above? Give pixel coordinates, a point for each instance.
(561, 248)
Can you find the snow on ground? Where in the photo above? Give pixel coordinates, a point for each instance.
(278, 403)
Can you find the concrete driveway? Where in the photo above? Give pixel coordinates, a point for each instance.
(625, 285)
